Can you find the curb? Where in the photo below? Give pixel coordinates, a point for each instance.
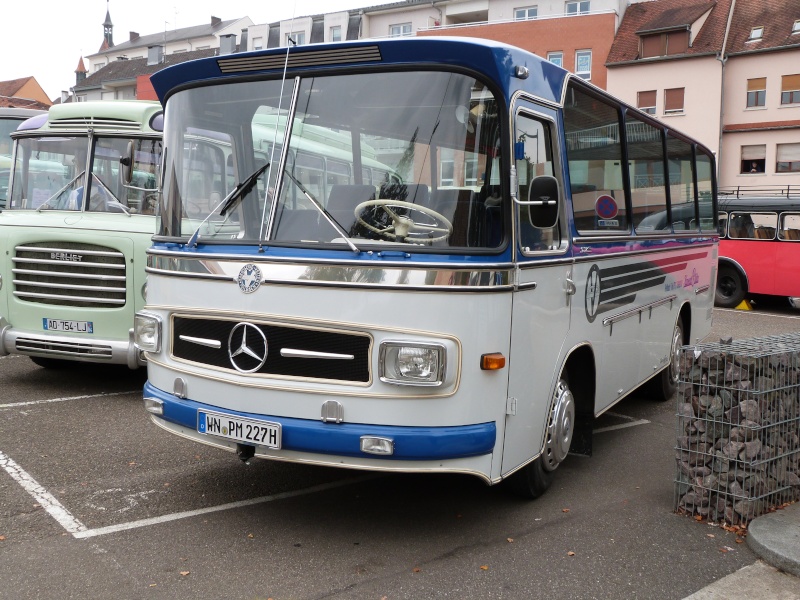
(775, 537)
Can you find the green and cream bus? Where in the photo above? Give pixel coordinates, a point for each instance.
(72, 274)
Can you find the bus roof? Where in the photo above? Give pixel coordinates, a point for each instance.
(497, 60)
(7, 112)
(759, 203)
(106, 115)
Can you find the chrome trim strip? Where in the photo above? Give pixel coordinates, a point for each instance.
(625, 237)
(215, 344)
(622, 252)
(42, 261)
(70, 251)
(67, 286)
(358, 275)
(65, 275)
(702, 290)
(294, 353)
(118, 302)
(638, 311)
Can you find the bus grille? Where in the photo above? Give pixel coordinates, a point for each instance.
(69, 274)
(300, 58)
(209, 342)
(96, 123)
(64, 349)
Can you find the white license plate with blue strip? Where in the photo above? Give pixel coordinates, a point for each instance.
(65, 325)
(249, 431)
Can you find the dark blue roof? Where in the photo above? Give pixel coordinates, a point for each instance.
(494, 59)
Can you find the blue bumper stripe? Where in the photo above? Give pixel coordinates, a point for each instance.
(343, 439)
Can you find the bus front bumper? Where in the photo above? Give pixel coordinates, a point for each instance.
(333, 439)
(63, 347)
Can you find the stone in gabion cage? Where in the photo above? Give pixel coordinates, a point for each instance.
(738, 436)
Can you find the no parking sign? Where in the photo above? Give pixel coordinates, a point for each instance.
(605, 207)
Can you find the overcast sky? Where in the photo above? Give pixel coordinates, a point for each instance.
(46, 39)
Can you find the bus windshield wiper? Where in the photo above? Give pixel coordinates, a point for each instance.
(239, 191)
(323, 211)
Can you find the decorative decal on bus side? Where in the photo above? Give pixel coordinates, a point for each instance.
(613, 287)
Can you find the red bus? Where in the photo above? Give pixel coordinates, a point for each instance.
(759, 250)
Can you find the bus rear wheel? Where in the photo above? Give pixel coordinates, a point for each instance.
(730, 287)
(532, 480)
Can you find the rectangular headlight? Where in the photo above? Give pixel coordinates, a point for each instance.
(147, 332)
(410, 363)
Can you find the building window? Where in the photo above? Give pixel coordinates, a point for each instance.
(400, 29)
(523, 14)
(447, 172)
(664, 44)
(577, 8)
(583, 64)
(336, 34)
(790, 89)
(647, 102)
(754, 159)
(756, 92)
(258, 43)
(756, 33)
(296, 38)
(557, 58)
(788, 158)
(673, 101)
(796, 27)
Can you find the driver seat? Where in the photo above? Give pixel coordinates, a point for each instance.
(342, 202)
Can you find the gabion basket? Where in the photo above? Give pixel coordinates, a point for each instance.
(738, 428)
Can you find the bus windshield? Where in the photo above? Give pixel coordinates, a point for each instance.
(50, 174)
(378, 158)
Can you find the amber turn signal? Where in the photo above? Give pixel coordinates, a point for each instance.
(493, 361)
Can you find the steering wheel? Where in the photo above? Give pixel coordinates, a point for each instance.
(404, 226)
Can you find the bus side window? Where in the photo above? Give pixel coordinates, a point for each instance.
(681, 180)
(594, 152)
(722, 224)
(790, 227)
(646, 164)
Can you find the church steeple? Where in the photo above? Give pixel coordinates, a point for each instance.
(108, 30)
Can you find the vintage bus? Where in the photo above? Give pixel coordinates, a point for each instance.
(80, 215)
(471, 310)
(759, 249)
(10, 118)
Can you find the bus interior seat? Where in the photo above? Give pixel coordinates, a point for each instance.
(467, 214)
(415, 193)
(765, 233)
(791, 234)
(342, 202)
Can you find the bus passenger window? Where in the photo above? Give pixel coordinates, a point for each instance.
(790, 227)
(594, 152)
(705, 185)
(681, 181)
(648, 194)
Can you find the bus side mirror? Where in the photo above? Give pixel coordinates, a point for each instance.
(543, 202)
(126, 164)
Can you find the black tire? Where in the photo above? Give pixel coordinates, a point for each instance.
(51, 363)
(730, 287)
(532, 480)
(663, 386)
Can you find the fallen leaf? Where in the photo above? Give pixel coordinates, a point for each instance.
(739, 541)
(130, 464)
(698, 518)
(565, 510)
(570, 553)
(250, 535)
(153, 584)
(723, 550)
(711, 535)
(510, 540)
(417, 569)
(2, 538)
(185, 573)
(484, 567)
(166, 484)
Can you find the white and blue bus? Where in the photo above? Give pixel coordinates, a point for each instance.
(459, 278)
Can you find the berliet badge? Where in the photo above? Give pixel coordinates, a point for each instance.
(249, 278)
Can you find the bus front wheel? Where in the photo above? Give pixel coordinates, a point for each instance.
(663, 385)
(730, 287)
(533, 479)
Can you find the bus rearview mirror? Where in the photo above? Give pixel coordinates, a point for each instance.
(543, 202)
(126, 164)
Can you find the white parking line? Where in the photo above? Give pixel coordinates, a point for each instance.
(202, 511)
(44, 498)
(632, 422)
(67, 399)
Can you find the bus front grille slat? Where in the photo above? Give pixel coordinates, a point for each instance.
(63, 349)
(70, 274)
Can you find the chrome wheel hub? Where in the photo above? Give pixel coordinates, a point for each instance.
(560, 427)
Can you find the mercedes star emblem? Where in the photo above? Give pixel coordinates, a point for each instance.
(247, 348)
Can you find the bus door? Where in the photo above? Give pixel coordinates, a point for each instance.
(543, 299)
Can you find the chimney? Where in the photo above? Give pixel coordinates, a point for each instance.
(64, 96)
(155, 55)
(134, 36)
(215, 21)
(227, 43)
(243, 40)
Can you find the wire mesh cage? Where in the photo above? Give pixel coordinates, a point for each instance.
(738, 428)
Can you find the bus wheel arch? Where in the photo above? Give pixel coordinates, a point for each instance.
(568, 427)
(731, 284)
(663, 386)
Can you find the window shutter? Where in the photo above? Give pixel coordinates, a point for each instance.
(647, 99)
(756, 85)
(790, 83)
(758, 152)
(652, 45)
(677, 42)
(788, 152)
(673, 99)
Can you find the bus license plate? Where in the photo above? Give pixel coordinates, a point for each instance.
(72, 326)
(250, 431)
